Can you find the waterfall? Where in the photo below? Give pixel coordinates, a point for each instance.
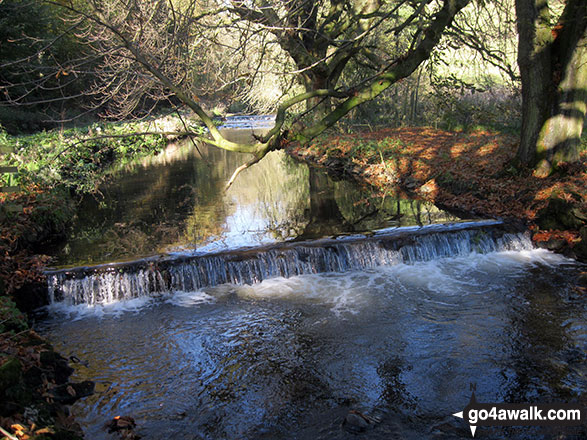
(108, 283)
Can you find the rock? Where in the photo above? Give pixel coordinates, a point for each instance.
(68, 393)
(124, 426)
(31, 296)
(14, 393)
(581, 247)
(10, 374)
(119, 423)
(356, 422)
(410, 183)
(553, 244)
(560, 214)
(59, 369)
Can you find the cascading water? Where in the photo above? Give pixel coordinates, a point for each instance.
(108, 283)
(288, 340)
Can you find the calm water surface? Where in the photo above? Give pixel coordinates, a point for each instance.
(175, 202)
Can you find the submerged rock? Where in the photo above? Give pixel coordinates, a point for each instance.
(68, 393)
(124, 426)
(356, 422)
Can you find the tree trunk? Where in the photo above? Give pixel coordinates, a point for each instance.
(553, 69)
(561, 133)
(320, 106)
(325, 216)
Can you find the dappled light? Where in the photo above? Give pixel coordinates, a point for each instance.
(468, 172)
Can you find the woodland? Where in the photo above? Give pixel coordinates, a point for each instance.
(477, 106)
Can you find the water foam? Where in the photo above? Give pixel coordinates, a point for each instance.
(108, 284)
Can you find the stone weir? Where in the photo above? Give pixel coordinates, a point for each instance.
(152, 276)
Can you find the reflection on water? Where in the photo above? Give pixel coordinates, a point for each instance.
(175, 202)
(289, 358)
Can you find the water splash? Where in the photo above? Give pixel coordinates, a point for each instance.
(151, 277)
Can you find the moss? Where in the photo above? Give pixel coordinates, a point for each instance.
(14, 394)
(10, 373)
(11, 318)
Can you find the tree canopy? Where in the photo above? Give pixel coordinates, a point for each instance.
(312, 62)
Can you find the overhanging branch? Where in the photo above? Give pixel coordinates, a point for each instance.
(403, 68)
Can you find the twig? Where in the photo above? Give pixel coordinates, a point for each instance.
(242, 168)
(16, 334)
(191, 138)
(8, 435)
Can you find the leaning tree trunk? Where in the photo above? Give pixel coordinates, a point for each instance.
(319, 106)
(553, 68)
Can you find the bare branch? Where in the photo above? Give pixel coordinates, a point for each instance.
(241, 169)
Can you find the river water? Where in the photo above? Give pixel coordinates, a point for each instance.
(398, 339)
(175, 202)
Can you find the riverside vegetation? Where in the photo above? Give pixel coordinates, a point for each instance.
(467, 172)
(54, 168)
(375, 64)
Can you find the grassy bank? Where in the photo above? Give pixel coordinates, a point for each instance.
(463, 172)
(54, 168)
(79, 158)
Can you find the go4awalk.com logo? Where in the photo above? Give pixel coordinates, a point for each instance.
(521, 414)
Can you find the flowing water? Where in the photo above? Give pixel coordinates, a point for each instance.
(281, 340)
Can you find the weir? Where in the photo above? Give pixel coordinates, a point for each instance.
(165, 274)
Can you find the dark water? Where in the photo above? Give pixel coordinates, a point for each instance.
(175, 202)
(288, 358)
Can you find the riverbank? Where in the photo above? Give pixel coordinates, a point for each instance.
(462, 172)
(35, 392)
(34, 379)
(465, 173)
(53, 169)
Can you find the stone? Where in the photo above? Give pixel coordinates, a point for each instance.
(560, 214)
(10, 374)
(357, 422)
(68, 393)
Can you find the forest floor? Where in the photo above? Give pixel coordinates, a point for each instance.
(469, 173)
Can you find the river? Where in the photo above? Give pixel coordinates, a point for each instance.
(397, 330)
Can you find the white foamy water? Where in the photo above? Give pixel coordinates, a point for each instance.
(352, 291)
(116, 308)
(394, 340)
(189, 299)
(104, 285)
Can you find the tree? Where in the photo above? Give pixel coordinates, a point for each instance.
(552, 58)
(156, 50)
(34, 45)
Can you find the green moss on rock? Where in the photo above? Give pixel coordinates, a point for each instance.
(10, 373)
(11, 318)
